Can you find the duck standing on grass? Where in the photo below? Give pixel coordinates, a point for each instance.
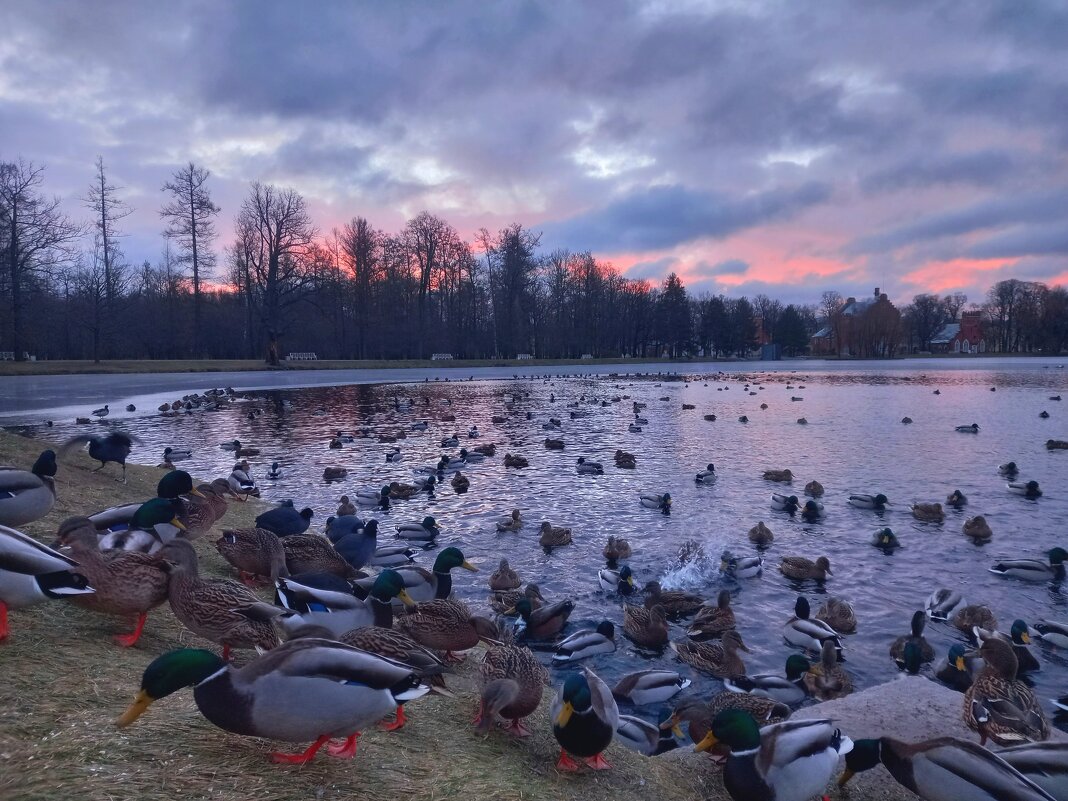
(115, 447)
(585, 718)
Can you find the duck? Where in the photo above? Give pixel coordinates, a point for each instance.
(969, 429)
(342, 691)
(114, 447)
(1052, 632)
(650, 687)
(649, 739)
(812, 511)
(469, 457)
(504, 577)
(544, 622)
(450, 442)
(1008, 469)
(285, 521)
(515, 461)
(447, 625)
(743, 419)
(977, 529)
(423, 585)
(928, 512)
(761, 535)
(373, 498)
(240, 450)
(1034, 569)
(652, 500)
(489, 449)
(906, 420)
(512, 522)
(698, 716)
(634, 428)
(553, 536)
(784, 503)
(394, 455)
(1020, 637)
(897, 647)
(803, 632)
(956, 499)
(503, 602)
(589, 468)
(513, 682)
(942, 603)
(554, 444)
(739, 567)
(615, 549)
(28, 495)
(782, 476)
(877, 502)
(1029, 489)
(460, 482)
(789, 761)
(717, 658)
(393, 556)
(646, 627)
(712, 621)
(275, 472)
(241, 482)
(814, 489)
(586, 643)
(585, 718)
(955, 672)
(675, 602)
(404, 492)
(839, 615)
(255, 552)
(944, 769)
(828, 680)
(967, 618)
(625, 460)
(426, 530)
(708, 475)
(790, 690)
(886, 539)
(102, 412)
(998, 705)
(151, 525)
(800, 568)
(174, 454)
(323, 599)
(620, 581)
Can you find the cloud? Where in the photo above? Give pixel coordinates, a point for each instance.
(1028, 240)
(728, 267)
(981, 168)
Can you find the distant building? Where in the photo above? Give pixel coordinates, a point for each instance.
(866, 328)
(965, 336)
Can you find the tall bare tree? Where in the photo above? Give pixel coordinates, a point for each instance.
(38, 239)
(190, 216)
(425, 237)
(108, 209)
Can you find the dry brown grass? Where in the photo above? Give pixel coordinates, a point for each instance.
(64, 682)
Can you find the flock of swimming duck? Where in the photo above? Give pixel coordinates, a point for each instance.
(358, 630)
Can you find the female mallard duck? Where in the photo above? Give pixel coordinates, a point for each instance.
(585, 718)
(504, 578)
(126, 583)
(1020, 637)
(955, 671)
(445, 625)
(373, 498)
(718, 658)
(241, 482)
(1053, 632)
(620, 581)
(553, 536)
(1046, 764)
(334, 474)
(712, 621)
(652, 500)
(544, 622)
(275, 472)
(1034, 569)
(800, 568)
(998, 705)
(513, 522)
(781, 476)
(404, 492)
(646, 627)
(625, 460)
(928, 512)
(942, 603)
(460, 482)
(515, 461)
(897, 647)
(802, 632)
(839, 615)
(323, 599)
(944, 769)
(828, 679)
(708, 475)
(877, 502)
(886, 539)
(590, 468)
(967, 618)
(425, 531)
(977, 528)
(675, 602)
(814, 489)
(784, 503)
(310, 553)
(1029, 489)
(791, 690)
(305, 689)
(650, 687)
(513, 681)
(256, 553)
(956, 499)
(739, 567)
(486, 450)
(790, 761)
(503, 602)
(285, 521)
(615, 549)
(28, 495)
(971, 429)
(586, 643)
(761, 535)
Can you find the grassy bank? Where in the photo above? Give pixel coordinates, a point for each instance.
(65, 681)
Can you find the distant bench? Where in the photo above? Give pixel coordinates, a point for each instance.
(9, 356)
(440, 357)
(524, 356)
(302, 357)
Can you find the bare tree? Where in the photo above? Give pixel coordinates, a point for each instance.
(954, 304)
(190, 215)
(361, 247)
(831, 311)
(38, 239)
(425, 236)
(108, 208)
(927, 316)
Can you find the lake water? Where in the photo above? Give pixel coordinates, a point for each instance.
(854, 443)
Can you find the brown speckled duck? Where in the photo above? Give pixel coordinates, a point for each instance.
(798, 567)
(256, 553)
(504, 578)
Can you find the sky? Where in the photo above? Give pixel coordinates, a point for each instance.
(749, 146)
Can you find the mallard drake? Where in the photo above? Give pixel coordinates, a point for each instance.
(585, 467)
(674, 602)
(977, 528)
(586, 643)
(513, 522)
(800, 568)
(928, 512)
(897, 647)
(712, 621)
(944, 769)
(970, 429)
(503, 602)
(241, 482)
(708, 475)
(650, 687)
(1046, 764)
(238, 449)
(515, 461)
(326, 689)
(513, 681)
(698, 716)
(1029, 489)
(619, 581)
(761, 535)
(1034, 569)
(1052, 632)
(1020, 637)
(802, 632)
(877, 502)
(781, 476)
(445, 625)
(425, 531)
(151, 524)
(255, 552)
(323, 599)
(740, 567)
(114, 447)
(646, 627)
(955, 671)
(553, 536)
(275, 472)
(718, 658)
(615, 549)
(460, 482)
(942, 603)
(373, 498)
(651, 500)
(956, 499)
(585, 718)
(839, 615)
(469, 457)
(791, 690)
(998, 705)
(1008, 469)
(28, 495)
(285, 521)
(393, 555)
(450, 442)
(504, 577)
(967, 618)
(648, 738)
(784, 503)
(394, 455)
(812, 511)
(544, 622)
(814, 489)
(886, 539)
(424, 585)
(828, 680)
